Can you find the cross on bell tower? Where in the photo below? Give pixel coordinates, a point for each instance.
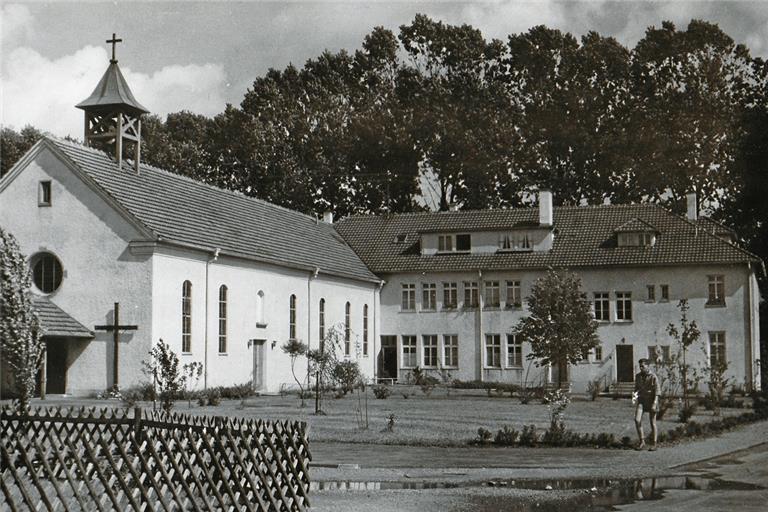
(112, 114)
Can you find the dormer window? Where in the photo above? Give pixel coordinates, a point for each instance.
(515, 242)
(454, 243)
(636, 239)
(636, 233)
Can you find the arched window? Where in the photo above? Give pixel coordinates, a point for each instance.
(222, 319)
(186, 317)
(46, 272)
(321, 329)
(260, 308)
(292, 319)
(365, 329)
(347, 331)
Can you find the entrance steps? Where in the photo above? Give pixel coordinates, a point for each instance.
(622, 389)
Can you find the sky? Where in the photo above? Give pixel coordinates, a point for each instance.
(199, 56)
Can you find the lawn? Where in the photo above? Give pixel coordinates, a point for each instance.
(441, 418)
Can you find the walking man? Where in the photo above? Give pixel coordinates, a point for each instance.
(647, 393)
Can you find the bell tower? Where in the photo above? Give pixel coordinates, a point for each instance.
(112, 114)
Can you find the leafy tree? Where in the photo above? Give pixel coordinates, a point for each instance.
(170, 379)
(20, 341)
(560, 326)
(295, 349)
(14, 144)
(686, 334)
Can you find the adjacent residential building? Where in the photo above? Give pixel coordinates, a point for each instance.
(456, 284)
(124, 255)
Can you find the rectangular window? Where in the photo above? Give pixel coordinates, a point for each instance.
(429, 296)
(429, 350)
(716, 347)
(365, 329)
(292, 318)
(186, 317)
(602, 307)
(409, 359)
(658, 353)
(493, 351)
(463, 242)
(624, 306)
(599, 353)
(347, 329)
(409, 297)
(450, 295)
(471, 297)
(514, 351)
(514, 242)
(492, 298)
(664, 292)
(44, 194)
(514, 296)
(321, 320)
(444, 243)
(716, 290)
(222, 319)
(651, 293)
(451, 351)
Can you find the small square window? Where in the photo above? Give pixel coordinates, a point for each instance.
(44, 194)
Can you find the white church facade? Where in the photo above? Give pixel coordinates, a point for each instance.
(226, 279)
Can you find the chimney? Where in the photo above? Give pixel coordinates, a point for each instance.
(692, 207)
(328, 216)
(545, 208)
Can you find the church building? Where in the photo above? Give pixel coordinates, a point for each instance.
(124, 254)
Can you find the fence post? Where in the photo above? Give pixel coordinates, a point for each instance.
(137, 424)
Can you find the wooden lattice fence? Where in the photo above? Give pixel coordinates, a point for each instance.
(112, 459)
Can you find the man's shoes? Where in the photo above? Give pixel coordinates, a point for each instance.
(640, 446)
(652, 448)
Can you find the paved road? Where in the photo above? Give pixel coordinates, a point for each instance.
(732, 457)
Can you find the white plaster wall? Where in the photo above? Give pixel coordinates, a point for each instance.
(648, 327)
(91, 240)
(244, 279)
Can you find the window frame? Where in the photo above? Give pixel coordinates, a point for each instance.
(430, 351)
(223, 297)
(650, 293)
(412, 351)
(429, 296)
(47, 272)
(450, 350)
(514, 351)
(321, 320)
(603, 313)
(492, 351)
(492, 295)
(365, 330)
(347, 329)
(292, 318)
(408, 297)
(717, 347)
(664, 293)
(716, 290)
(623, 307)
(186, 317)
(471, 295)
(44, 193)
(514, 288)
(450, 290)
(463, 237)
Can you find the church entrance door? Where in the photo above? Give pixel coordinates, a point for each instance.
(387, 360)
(56, 367)
(624, 363)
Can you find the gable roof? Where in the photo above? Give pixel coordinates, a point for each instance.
(584, 237)
(635, 225)
(180, 210)
(55, 322)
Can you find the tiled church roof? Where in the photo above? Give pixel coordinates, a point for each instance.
(584, 237)
(56, 322)
(179, 209)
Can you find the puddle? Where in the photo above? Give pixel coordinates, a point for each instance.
(595, 495)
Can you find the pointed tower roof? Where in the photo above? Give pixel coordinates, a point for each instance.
(112, 91)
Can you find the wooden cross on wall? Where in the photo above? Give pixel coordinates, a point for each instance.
(114, 41)
(115, 328)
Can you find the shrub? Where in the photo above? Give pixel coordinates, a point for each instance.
(381, 391)
(484, 435)
(135, 394)
(555, 435)
(593, 389)
(605, 440)
(760, 403)
(506, 436)
(391, 422)
(346, 374)
(686, 412)
(427, 384)
(626, 441)
(529, 436)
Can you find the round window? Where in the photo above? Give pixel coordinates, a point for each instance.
(46, 272)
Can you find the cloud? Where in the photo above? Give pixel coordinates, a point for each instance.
(43, 92)
(16, 24)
